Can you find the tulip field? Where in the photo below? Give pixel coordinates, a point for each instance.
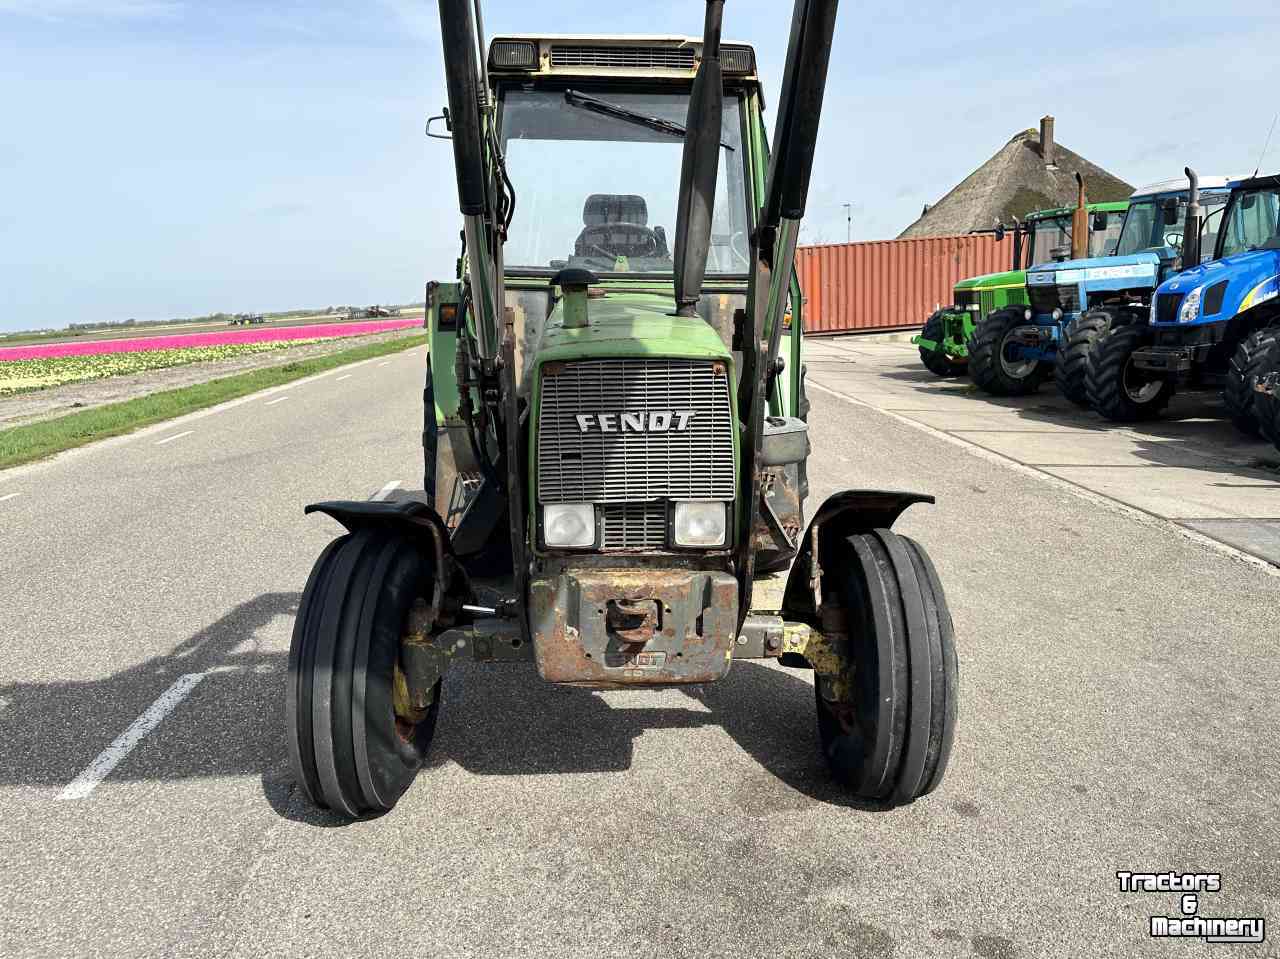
(26, 368)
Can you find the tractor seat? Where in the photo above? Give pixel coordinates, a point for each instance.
(617, 224)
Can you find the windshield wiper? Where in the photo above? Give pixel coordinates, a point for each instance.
(629, 116)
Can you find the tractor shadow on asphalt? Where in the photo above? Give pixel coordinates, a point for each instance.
(229, 725)
(495, 719)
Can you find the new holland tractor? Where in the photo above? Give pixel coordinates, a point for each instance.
(1043, 236)
(616, 439)
(1216, 322)
(1073, 303)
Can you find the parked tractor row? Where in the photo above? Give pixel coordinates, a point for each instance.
(1186, 297)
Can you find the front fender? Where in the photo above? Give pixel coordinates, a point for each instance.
(416, 521)
(843, 514)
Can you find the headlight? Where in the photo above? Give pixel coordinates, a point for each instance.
(569, 524)
(700, 524)
(1056, 314)
(1027, 314)
(1190, 306)
(973, 307)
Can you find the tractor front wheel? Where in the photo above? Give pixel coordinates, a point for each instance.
(1256, 354)
(1119, 390)
(886, 721)
(995, 362)
(936, 360)
(354, 745)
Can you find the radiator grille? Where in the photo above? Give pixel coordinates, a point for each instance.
(1167, 307)
(640, 58)
(966, 298)
(1046, 299)
(635, 525)
(632, 466)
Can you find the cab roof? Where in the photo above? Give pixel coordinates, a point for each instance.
(1178, 184)
(617, 55)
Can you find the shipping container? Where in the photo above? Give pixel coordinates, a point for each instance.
(891, 284)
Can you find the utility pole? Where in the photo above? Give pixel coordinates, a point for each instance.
(848, 211)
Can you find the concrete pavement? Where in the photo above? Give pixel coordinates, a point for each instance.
(1119, 690)
(1190, 466)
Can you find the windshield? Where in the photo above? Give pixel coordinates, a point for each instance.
(598, 190)
(1104, 242)
(1051, 240)
(1253, 222)
(1147, 226)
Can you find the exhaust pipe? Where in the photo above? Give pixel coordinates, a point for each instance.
(1080, 223)
(699, 168)
(1191, 231)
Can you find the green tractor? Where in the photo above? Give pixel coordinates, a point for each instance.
(616, 431)
(1043, 236)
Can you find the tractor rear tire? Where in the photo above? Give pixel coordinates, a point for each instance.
(990, 369)
(1118, 391)
(348, 749)
(887, 730)
(1257, 354)
(936, 361)
(1079, 339)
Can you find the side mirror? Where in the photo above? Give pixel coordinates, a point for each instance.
(1170, 208)
(1099, 222)
(999, 232)
(448, 125)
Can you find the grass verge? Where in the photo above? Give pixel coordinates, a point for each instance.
(34, 441)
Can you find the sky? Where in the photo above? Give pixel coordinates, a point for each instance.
(178, 157)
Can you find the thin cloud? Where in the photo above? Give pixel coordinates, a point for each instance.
(91, 9)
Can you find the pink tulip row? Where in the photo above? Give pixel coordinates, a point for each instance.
(218, 338)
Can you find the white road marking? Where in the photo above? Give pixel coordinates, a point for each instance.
(8, 496)
(346, 376)
(109, 758)
(384, 362)
(278, 399)
(386, 490)
(175, 436)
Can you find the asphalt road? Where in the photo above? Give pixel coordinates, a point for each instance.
(1119, 712)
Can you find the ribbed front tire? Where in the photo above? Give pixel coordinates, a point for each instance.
(1079, 339)
(1118, 390)
(348, 749)
(886, 724)
(991, 368)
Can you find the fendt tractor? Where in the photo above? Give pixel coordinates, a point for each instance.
(1075, 302)
(1214, 323)
(618, 442)
(1043, 236)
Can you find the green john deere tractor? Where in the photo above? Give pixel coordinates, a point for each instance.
(616, 438)
(1043, 236)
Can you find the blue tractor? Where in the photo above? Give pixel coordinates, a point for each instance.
(1073, 303)
(1216, 322)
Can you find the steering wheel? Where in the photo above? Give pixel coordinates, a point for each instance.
(636, 240)
(1174, 240)
(737, 253)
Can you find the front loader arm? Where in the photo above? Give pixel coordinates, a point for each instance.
(774, 245)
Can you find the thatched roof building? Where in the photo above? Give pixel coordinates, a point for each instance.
(1031, 172)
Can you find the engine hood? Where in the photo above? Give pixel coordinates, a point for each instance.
(630, 324)
(993, 281)
(1250, 279)
(1131, 270)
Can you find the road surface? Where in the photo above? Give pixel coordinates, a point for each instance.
(1118, 712)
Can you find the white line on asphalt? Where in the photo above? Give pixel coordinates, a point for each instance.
(111, 757)
(278, 399)
(386, 490)
(8, 496)
(175, 436)
(344, 377)
(384, 362)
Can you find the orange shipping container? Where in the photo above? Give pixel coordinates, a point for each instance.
(891, 284)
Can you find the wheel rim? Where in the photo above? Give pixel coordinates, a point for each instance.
(1017, 369)
(1141, 389)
